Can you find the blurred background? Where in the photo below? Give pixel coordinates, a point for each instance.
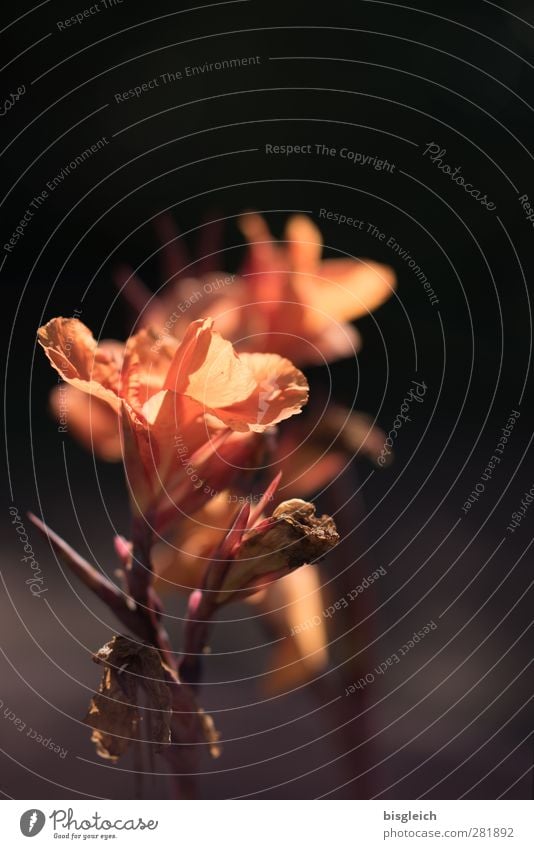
(379, 79)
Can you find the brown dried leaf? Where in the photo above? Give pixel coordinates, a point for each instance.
(114, 711)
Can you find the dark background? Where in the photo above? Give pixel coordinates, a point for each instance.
(456, 716)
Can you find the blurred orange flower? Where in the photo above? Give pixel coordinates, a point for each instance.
(295, 303)
(285, 298)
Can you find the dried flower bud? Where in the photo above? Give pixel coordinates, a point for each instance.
(291, 537)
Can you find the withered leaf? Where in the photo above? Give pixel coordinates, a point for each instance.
(132, 674)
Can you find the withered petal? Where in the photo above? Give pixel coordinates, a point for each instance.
(114, 712)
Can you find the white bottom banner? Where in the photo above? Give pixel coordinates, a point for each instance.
(262, 824)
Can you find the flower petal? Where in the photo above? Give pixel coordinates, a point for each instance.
(206, 368)
(89, 419)
(247, 392)
(304, 243)
(74, 353)
(346, 289)
(294, 610)
(282, 391)
(147, 357)
(181, 563)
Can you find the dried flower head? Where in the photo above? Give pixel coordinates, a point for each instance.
(271, 548)
(140, 699)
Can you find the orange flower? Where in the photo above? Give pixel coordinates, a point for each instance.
(285, 300)
(180, 404)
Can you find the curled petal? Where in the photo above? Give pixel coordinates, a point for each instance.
(282, 390)
(74, 353)
(206, 368)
